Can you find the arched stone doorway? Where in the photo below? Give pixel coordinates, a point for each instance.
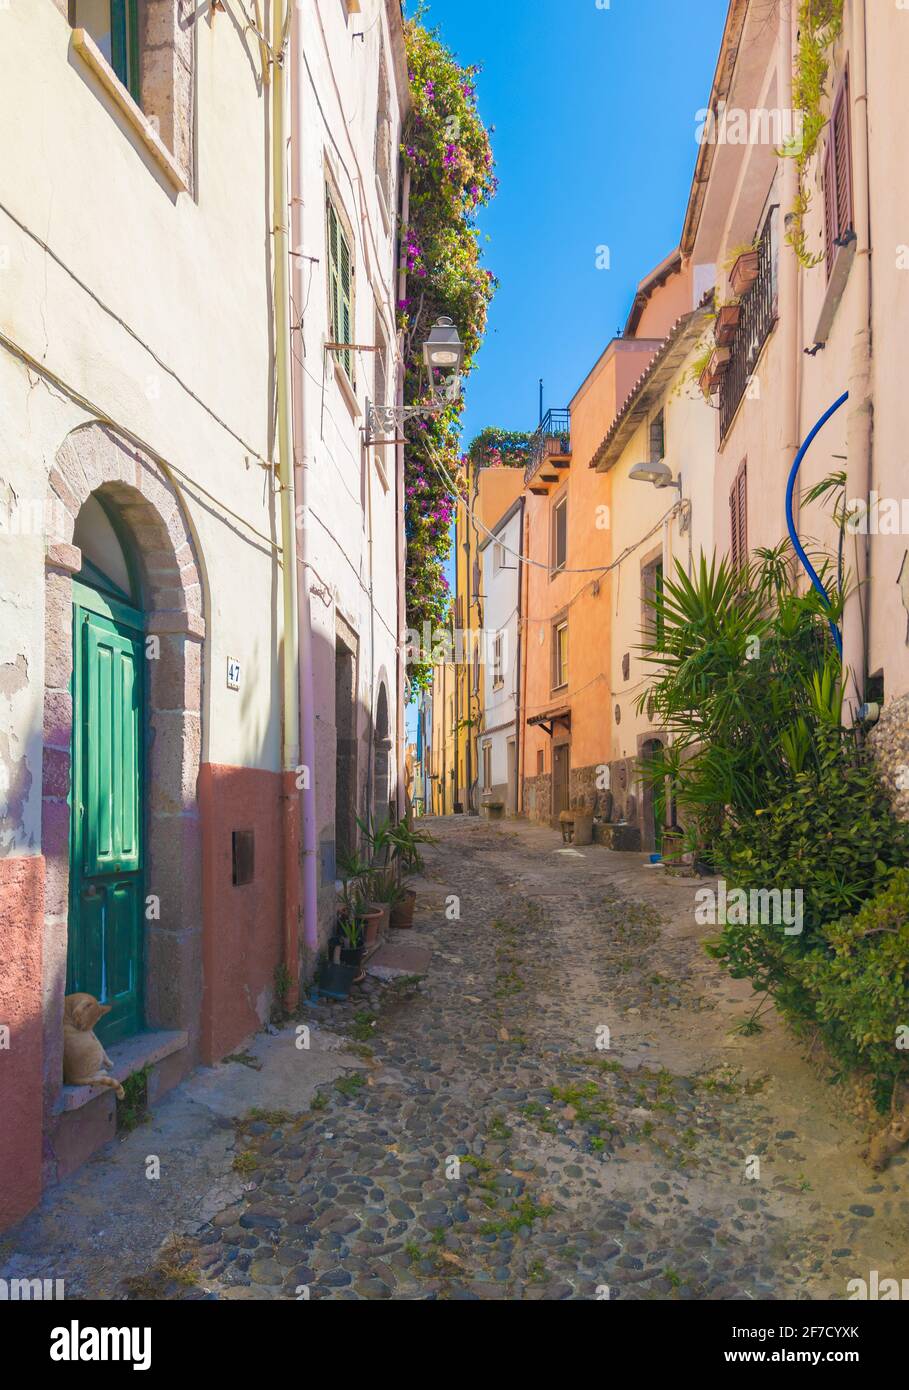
(129, 515)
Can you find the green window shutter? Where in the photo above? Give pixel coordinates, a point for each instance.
(340, 288)
(124, 37)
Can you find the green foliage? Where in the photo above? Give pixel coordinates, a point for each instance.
(498, 448)
(828, 831)
(859, 983)
(746, 670)
(781, 798)
(820, 25)
(132, 1110)
(447, 151)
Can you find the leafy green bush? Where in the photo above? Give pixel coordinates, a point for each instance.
(828, 831)
(859, 984)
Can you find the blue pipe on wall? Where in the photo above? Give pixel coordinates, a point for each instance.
(790, 520)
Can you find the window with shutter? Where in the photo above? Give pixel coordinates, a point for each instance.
(838, 174)
(340, 288)
(114, 26)
(560, 535)
(738, 519)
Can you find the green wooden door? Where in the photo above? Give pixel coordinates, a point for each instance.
(106, 861)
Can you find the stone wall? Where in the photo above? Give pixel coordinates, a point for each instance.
(538, 797)
(889, 742)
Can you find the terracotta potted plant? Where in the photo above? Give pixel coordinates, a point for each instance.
(727, 321)
(744, 271)
(384, 892)
(716, 367)
(402, 910)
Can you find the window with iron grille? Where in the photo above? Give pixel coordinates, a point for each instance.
(738, 518)
(757, 318)
(838, 174)
(340, 288)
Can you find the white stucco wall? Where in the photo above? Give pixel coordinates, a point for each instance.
(351, 500)
(152, 308)
(501, 580)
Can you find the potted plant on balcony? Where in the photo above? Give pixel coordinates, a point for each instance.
(744, 263)
(727, 321)
(717, 365)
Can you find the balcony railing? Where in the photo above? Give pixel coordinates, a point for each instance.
(552, 439)
(758, 315)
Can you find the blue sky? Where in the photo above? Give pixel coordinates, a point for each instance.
(594, 110)
(594, 113)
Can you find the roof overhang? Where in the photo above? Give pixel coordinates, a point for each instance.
(652, 384)
(722, 84)
(670, 266)
(550, 719)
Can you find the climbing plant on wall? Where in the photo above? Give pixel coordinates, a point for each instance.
(447, 150)
(820, 25)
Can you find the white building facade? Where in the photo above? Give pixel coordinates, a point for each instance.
(502, 581)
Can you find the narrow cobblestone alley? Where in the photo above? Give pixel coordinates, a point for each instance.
(584, 1172)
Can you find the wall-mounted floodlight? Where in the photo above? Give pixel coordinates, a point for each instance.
(659, 474)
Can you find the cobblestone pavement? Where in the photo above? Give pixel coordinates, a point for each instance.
(489, 1148)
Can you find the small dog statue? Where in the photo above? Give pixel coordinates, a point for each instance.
(85, 1063)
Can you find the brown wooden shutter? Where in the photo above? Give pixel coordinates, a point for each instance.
(838, 173)
(738, 518)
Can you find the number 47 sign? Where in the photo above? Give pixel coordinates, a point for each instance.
(233, 673)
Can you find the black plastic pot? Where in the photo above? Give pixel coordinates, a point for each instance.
(336, 979)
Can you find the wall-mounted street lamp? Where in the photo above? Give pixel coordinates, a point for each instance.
(659, 474)
(443, 351)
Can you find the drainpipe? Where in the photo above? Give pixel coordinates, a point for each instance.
(860, 422)
(399, 527)
(789, 278)
(517, 671)
(524, 633)
(291, 708)
(304, 671)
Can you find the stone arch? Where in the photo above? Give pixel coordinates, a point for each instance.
(94, 459)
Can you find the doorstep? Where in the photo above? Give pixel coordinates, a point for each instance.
(128, 1057)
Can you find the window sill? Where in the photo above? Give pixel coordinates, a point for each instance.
(94, 59)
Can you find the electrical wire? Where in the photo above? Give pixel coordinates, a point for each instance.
(112, 313)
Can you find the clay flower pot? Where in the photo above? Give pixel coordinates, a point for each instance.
(375, 921)
(726, 323)
(402, 912)
(744, 272)
(716, 367)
